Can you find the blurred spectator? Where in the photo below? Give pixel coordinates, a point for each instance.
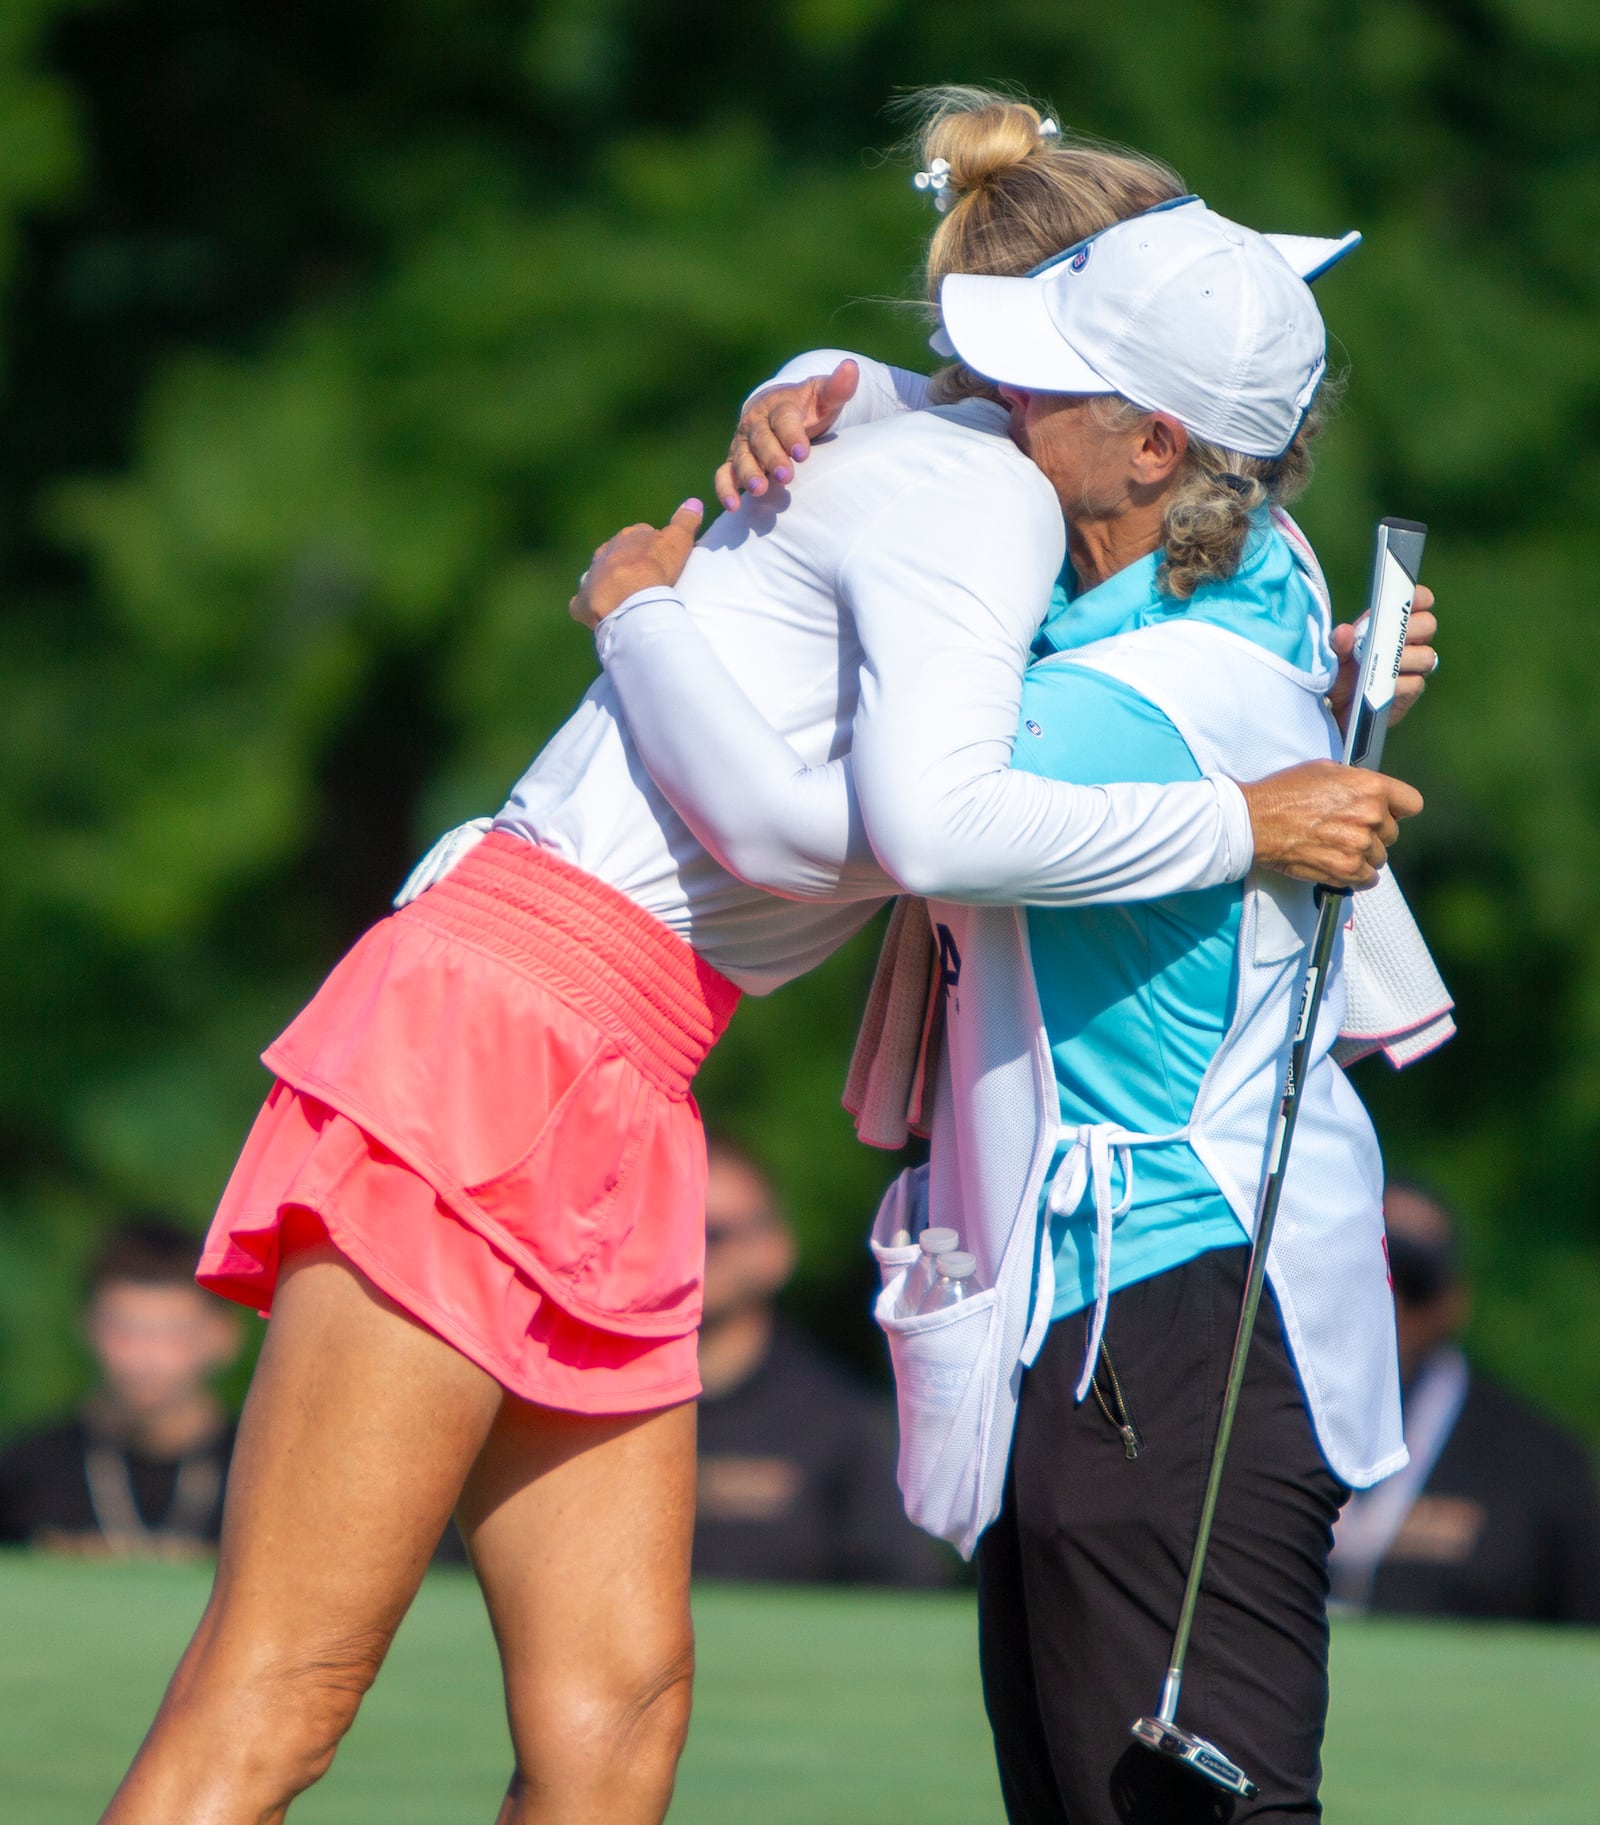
(140, 1471)
(796, 1458)
(1497, 1514)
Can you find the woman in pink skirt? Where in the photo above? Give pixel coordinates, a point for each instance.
(474, 1205)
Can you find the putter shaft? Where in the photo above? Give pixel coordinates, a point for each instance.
(1328, 917)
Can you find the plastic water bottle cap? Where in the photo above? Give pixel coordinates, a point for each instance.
(958, 1266)
(939, 1241)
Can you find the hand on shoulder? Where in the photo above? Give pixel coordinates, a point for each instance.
(638, 557)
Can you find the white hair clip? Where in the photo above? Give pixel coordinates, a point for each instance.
(936, 179)
(1048, 128)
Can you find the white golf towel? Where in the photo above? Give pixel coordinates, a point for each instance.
(1395, 999)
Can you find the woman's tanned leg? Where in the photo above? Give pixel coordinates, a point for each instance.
(580, 1533)
(359, 1431)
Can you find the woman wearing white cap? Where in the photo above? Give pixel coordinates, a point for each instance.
(474, 1199)
(1163, 375)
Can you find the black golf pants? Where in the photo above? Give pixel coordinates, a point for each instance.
(1081, 1577)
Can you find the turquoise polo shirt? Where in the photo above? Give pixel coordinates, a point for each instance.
(1136, 999)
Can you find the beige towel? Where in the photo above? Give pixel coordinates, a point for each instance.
(892, 1070)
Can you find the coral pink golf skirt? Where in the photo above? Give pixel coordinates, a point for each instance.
(487, 1107)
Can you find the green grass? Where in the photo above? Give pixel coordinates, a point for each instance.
(811, 1705)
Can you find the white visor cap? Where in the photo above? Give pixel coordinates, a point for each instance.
(1178, 310)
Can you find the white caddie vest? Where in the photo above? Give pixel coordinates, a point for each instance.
(958, 1372)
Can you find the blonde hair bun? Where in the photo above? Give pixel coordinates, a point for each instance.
(977, 133)
(1020, 189)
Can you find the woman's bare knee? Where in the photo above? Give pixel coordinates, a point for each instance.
(313, 1695)
(619, 1729)
(277, 1714)
(656, 1710)
(321, 1699)
(239, 1736)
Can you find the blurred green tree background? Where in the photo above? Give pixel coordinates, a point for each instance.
(336, 333)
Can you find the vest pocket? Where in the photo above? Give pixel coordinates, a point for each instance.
(941, 1395)
(946, 1385)
(1285, 914)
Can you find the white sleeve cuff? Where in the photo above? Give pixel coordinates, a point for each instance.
(1238, 835)
(881, 392)
(814, 364)
(609, 630)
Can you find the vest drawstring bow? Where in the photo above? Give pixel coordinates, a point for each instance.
(1097, 1147)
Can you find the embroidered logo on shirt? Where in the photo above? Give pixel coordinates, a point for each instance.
(1032, 727)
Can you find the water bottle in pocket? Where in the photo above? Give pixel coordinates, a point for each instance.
(953, 1282)
(901, 1215)
(934, 1242)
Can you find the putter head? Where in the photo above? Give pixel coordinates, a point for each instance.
(1196, 1753)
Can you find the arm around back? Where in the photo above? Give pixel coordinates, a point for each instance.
(756, 806)
(947, 586)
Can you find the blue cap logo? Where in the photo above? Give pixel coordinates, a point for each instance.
(1079, 260)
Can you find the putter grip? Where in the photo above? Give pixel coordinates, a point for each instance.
(1397, 560)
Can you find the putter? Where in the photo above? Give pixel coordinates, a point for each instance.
(1394, 577)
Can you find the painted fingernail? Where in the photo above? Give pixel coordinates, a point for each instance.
(731, 502)
(782, 474)
(799, 453)
(694, 504)
(758, 485)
